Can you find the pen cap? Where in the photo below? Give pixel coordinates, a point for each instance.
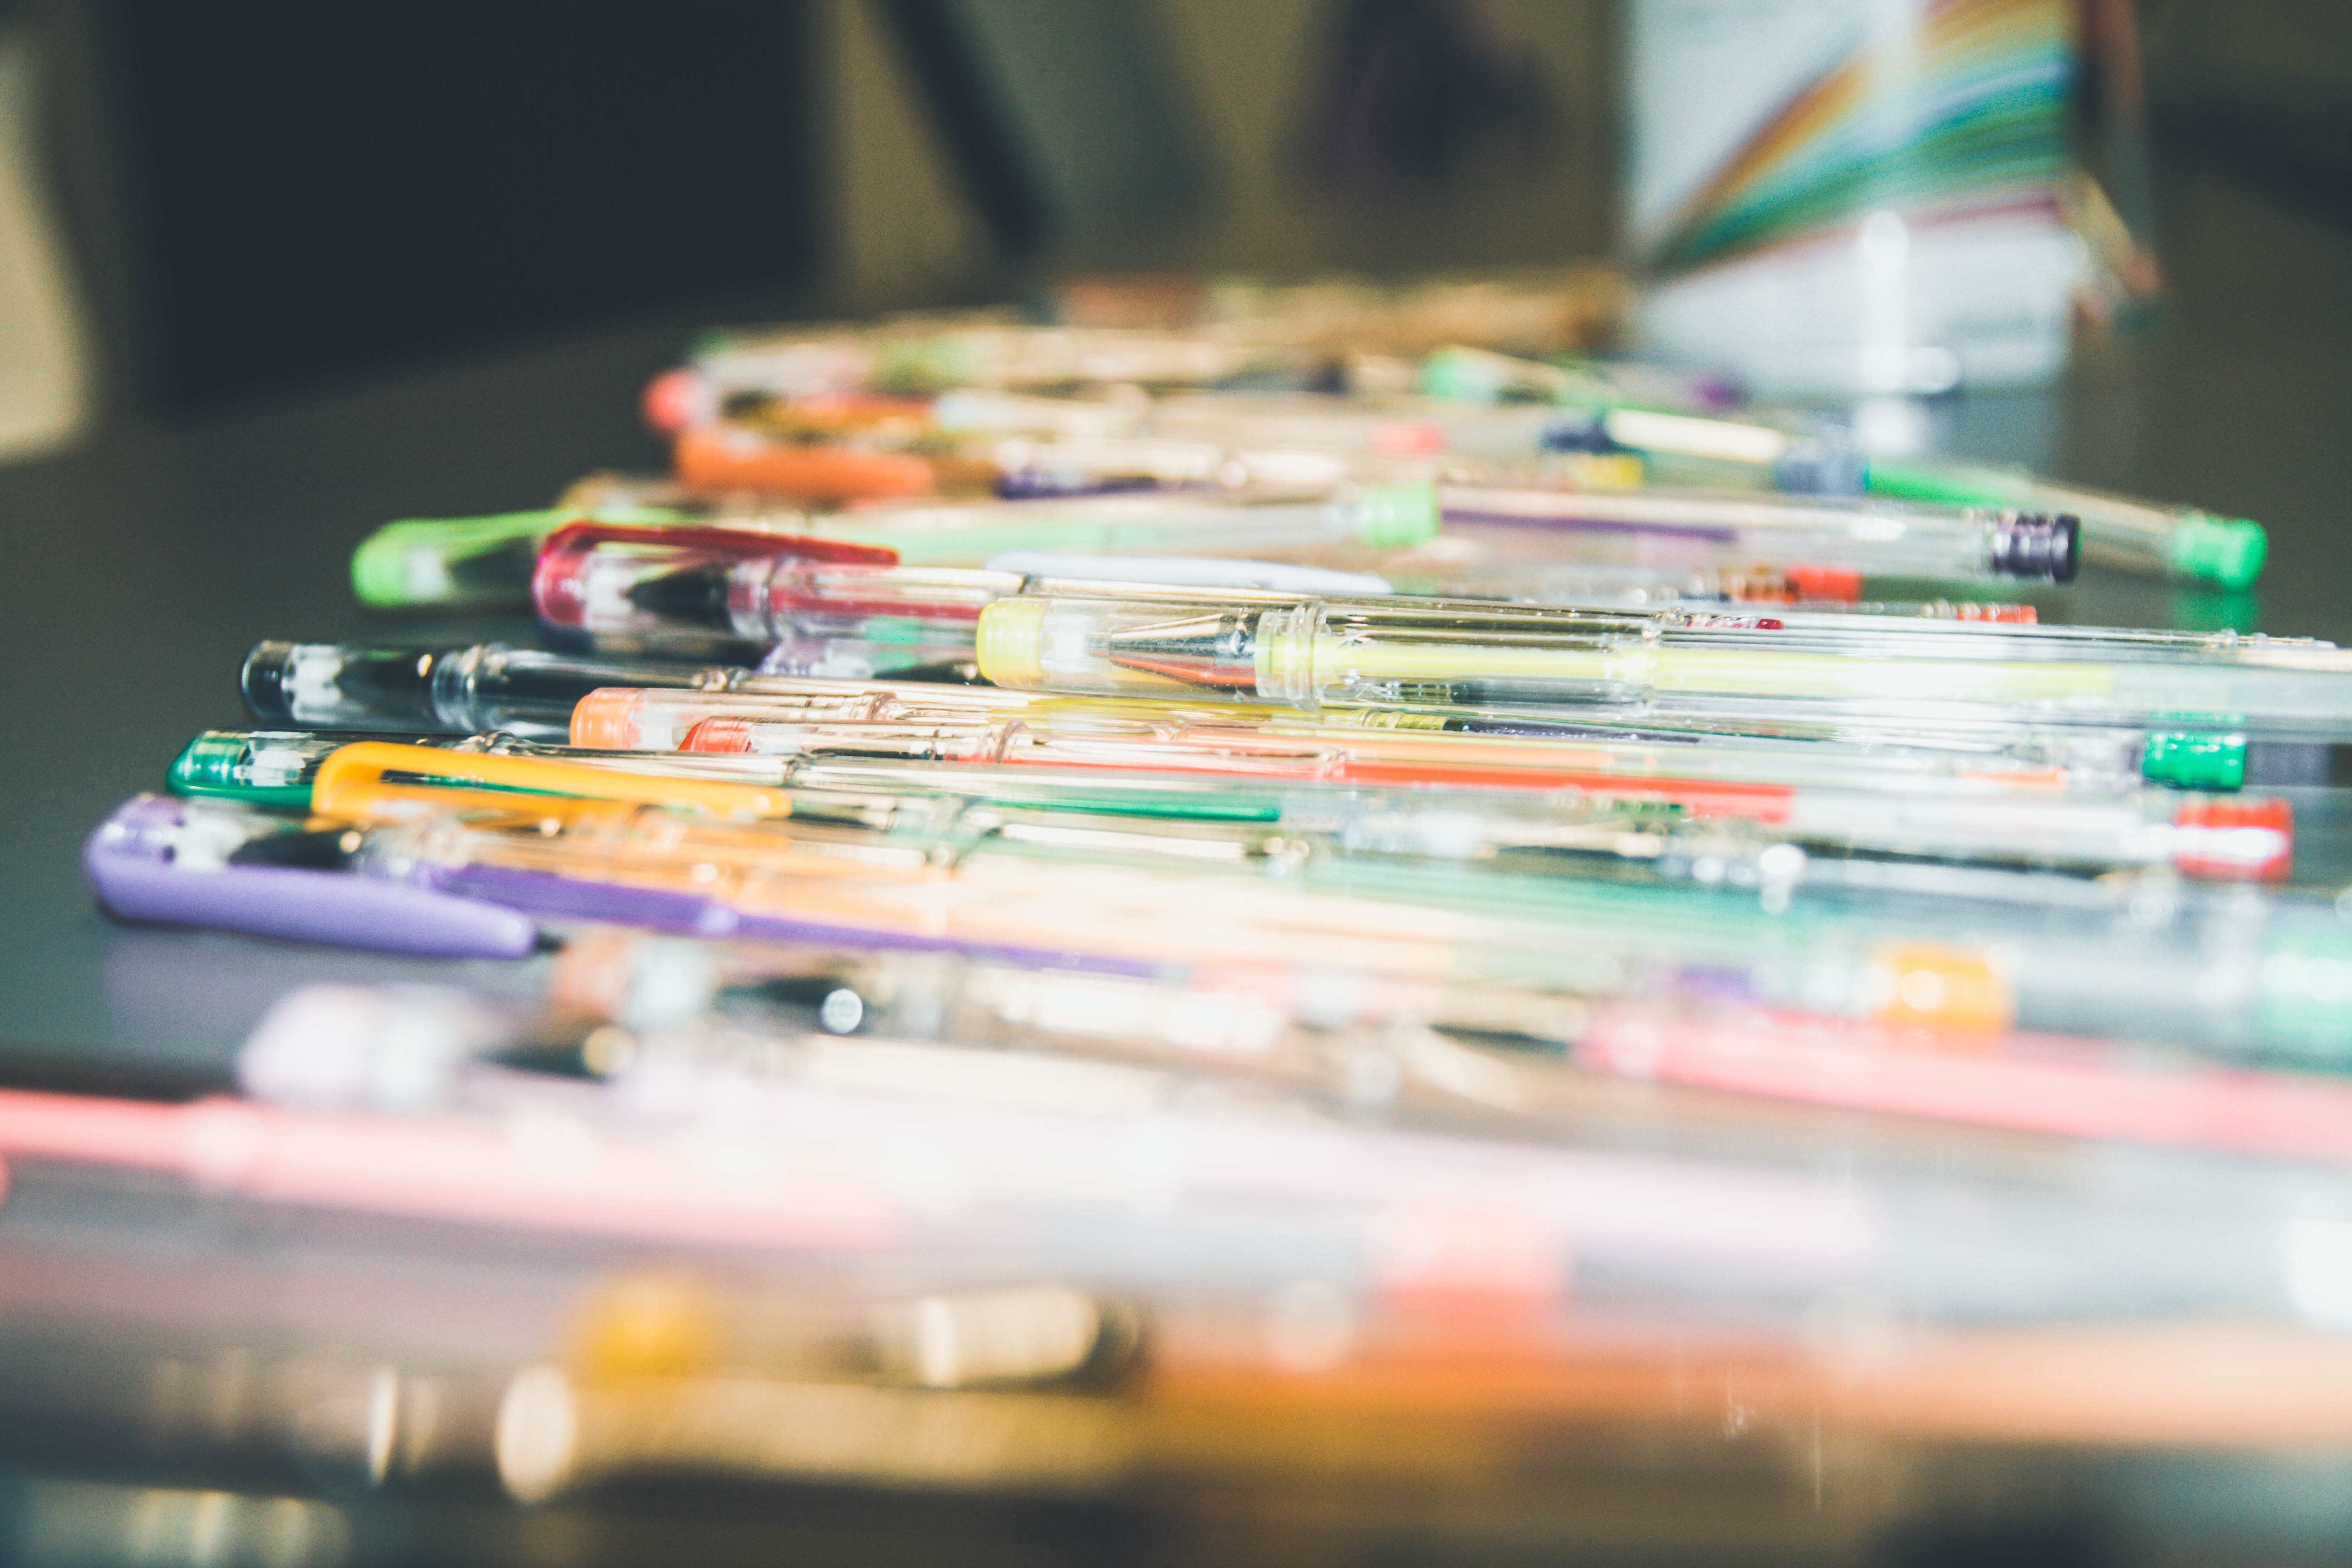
(678, 399)
(260, 767)
(2228, 550)
(720, 458)
(335, 686)
(171, 862)
(450, 561)
(1460, 374)
(1396, 517)
(615, 583)
(2234, 840)
(2193, 761)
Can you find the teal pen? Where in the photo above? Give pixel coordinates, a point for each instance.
(1409, 802)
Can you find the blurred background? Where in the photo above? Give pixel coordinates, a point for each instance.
(202, 205)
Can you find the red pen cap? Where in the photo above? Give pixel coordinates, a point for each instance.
(2240, 840)
(733, 735)
(1825, 582)
(678, 400)
(559, 583)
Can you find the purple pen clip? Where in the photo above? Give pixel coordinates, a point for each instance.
(553, 897)
(165, 860)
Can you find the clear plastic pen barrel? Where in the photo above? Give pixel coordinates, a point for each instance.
(1314, 653)
(1179, 522)
(1875, 537)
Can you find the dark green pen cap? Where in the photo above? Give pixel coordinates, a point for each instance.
(2194, 761)
(259, 767)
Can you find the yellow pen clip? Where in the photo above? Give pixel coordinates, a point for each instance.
(374, 781)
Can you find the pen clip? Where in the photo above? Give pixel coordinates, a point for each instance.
(167, 861)
(745, 544)
(373, 782)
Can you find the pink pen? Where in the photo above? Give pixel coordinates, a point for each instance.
(539, 1169)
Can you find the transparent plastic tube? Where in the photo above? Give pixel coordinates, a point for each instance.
(1519, 820)
(1878, 538)
(715, 592)
(1947, 817)
(2089, 757)
(1319, 653)
(1736, 780)
(1378, 516)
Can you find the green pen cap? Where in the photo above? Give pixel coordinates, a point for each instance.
(260, 768)
(2225, 550)
(2304, 1002)
(406, 563)
(2194, 761)
(1460, 375)
(1396, 517)
(437, 561)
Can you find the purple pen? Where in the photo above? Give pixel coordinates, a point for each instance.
(169, 861)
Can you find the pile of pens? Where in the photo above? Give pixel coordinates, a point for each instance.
(1281, 897)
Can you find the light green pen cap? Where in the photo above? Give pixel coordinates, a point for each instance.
(411, 563)
(2194, 761)
(232, 764)
(2225, 550)
(1460, 375)
(2305, 998)
(406, 563)
(1397, 517)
